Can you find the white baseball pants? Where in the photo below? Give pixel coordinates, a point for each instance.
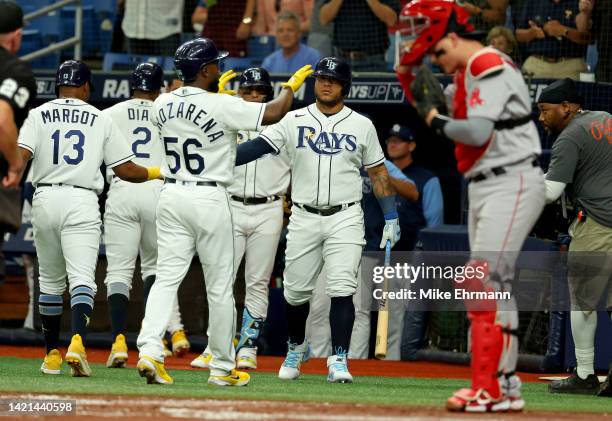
(193, 219)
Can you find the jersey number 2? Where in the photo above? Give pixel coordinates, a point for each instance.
(194, 163)
(78, 146)
(137, 142)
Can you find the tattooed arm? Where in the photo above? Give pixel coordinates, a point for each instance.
(381, 182)
(385, 193)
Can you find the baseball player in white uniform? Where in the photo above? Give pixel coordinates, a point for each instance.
(257, 209)
(327, 144)
(129, 218)
(497, 145)
(199, 130)
(68, 140)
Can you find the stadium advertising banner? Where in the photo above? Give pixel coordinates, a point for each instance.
(381, 89)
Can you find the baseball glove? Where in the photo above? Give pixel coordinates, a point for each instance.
(427, 92)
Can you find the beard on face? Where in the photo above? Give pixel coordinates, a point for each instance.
(329, 102)
(214, 85)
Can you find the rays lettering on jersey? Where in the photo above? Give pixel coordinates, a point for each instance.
(326, 143)
(67, 115)
(189, 112)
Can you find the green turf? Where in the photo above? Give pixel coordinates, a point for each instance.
(22, 375)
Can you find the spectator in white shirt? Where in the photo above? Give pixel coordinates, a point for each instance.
(153, 27)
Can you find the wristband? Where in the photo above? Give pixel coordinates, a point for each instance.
(153, 173)
(438, 123)
(388, 206)
(392, 215)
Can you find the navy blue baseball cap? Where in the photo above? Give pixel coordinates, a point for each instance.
(402, 132)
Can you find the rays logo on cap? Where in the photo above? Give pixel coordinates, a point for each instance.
(256, 75)
(331, 65)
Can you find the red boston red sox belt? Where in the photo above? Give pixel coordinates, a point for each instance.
(255, 200)
(325, 211)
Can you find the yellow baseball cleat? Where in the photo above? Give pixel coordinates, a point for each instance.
(77, 358)
(52, 364)
(202, 361)
(119, 353)
(153, 371)
(235, 378)
(180, 344)
(167, 350)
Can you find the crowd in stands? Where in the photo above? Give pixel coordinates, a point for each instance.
(548, 38)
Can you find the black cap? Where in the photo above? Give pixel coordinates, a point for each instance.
(560, 91)
(11, 16)
(402, 132)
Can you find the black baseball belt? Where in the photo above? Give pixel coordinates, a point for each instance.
(191, 183)
(255, 200)
(325, 211)
(496, 171)
(61, 184)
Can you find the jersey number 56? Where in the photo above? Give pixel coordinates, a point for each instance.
(194, 162)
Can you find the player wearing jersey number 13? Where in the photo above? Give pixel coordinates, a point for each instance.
(327, 144)
(199, 129)
(68, 140)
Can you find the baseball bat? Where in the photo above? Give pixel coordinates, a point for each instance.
(382, 328)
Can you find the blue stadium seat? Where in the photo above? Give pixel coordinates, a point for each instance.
(260, 47)
(121, 61)
(34, 4)
(48, 25)
(30, 41)
(90, 40)
(109, 6)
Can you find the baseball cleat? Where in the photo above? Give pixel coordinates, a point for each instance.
(575, 385)
(153, 371)
(296, 355)
(470, 400)
(338, 369)
(511, 387)
(180, 344)
(235, 378)
(167, 350)
(77, 358)
(247, 358)
(119, 353)
(202, 360)
(606, 386)
(52, 364)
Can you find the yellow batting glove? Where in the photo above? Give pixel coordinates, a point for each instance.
(226, 77)
(298, 78)
(154, 173)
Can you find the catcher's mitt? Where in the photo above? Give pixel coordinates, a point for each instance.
(427, 92)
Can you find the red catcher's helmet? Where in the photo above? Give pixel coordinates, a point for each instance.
(429, 21)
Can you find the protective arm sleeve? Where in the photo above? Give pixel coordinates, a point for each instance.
(553, 190)
(252, 150)
(474, 131)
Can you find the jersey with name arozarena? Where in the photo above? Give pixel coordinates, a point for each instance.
(326, 153)
(198, 129)
(133, 117)
(69, 139)
(264, 177)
